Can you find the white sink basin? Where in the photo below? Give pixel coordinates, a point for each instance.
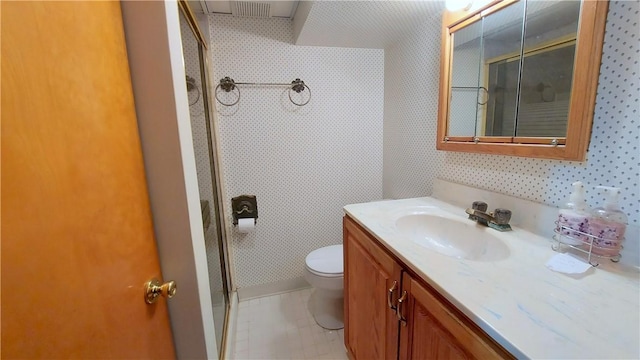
(462, 238)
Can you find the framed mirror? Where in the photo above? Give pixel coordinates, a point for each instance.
(519, 77)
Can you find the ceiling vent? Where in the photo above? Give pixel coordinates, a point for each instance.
(251, 9)
(240, 8)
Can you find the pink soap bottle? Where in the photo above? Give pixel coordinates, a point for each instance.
(573, 217)
(608, 224)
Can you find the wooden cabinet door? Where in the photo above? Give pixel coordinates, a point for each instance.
(371, 327)
(77, 233)
(433, 331)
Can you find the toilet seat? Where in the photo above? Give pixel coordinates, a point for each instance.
(326, 261)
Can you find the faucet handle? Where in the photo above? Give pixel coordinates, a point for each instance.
(479, 205)
(502, 216)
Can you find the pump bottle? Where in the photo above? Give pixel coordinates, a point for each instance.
(573, 217)
(608, 224)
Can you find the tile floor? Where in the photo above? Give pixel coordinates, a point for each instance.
(281, 327)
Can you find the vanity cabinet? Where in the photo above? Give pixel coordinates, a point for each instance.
(390, 313)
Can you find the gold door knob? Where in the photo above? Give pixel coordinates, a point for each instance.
(153, 289)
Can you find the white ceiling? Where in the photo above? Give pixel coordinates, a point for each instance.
(365, 24)
(355, 24)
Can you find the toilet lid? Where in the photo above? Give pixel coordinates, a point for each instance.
(326, 260)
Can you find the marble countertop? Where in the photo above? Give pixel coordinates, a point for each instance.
(530, 310)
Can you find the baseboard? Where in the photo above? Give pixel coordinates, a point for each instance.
(256, 291)
(230, 331)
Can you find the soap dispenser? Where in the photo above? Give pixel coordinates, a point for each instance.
(608, 224)
(573, 217)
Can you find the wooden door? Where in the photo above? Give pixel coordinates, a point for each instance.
(77, 233)
(434, 331)
(371, 327)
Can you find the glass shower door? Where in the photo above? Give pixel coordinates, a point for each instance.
(203, 143)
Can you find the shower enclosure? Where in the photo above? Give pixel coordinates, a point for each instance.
(195, 55)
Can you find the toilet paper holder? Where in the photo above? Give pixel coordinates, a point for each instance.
(244, 207)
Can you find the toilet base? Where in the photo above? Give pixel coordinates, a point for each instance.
(327, 308)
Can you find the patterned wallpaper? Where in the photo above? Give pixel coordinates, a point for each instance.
(411, 75)
(303, 163)
(411, 161)
(201, 150)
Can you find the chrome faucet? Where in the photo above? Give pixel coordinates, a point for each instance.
(498, 219)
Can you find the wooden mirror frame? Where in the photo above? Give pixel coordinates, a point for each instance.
(589, 41)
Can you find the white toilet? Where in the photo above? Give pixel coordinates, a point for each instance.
(324, 271)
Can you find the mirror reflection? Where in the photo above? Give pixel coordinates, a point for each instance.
(465, 80)
(512, 71)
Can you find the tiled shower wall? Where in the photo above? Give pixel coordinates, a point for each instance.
(411, 161)
(303, 163)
